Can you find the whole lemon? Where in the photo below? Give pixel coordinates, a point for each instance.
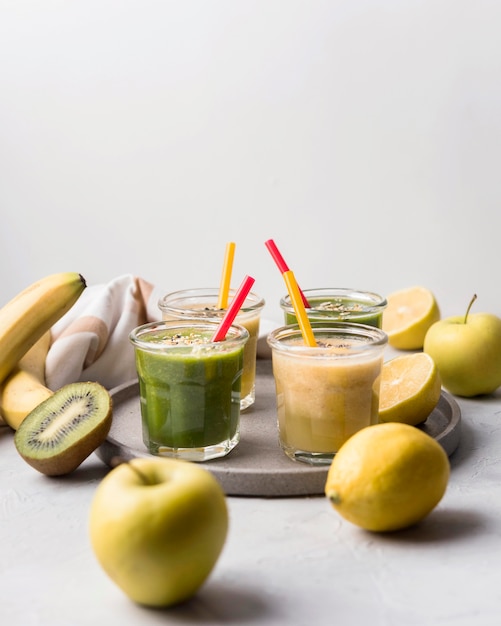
(387, 477)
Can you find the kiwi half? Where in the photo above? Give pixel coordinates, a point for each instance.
(63, 430)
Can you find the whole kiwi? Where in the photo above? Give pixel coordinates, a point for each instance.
(63, 430)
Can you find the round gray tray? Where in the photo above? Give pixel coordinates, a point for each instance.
(257, 466)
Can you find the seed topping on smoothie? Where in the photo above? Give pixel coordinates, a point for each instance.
(210, 310)
(330, 345)
(178, 339)
(334, 345)
(339, 306)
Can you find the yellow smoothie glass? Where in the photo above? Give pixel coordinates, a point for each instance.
(328, 392)
(202, 304)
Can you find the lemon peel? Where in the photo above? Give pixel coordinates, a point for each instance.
(387, 477)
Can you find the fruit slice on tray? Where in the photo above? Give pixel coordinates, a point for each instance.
(410, 389)
(408, 316)
(62, 431)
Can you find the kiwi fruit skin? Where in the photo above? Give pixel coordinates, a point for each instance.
(69, 453)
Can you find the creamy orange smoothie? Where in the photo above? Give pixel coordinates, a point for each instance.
(202, 304)
(327, 393)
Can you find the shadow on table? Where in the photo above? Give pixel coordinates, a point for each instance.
(217, 603)
(92, 469)
(480, 416)
(441, 525)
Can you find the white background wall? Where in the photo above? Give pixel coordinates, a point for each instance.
(363, 136)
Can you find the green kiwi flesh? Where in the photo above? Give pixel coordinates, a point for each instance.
(63, 430)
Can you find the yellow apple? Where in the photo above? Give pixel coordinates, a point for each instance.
(467, 352)
(157, 527)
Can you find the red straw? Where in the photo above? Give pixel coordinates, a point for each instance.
(282, 265)
(232, 310)
(275, 253)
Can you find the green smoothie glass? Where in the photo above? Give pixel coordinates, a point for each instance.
(201, 304)
(339, 305)
(189, 388)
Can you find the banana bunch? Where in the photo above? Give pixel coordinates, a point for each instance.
(25, 324)
(24, 388)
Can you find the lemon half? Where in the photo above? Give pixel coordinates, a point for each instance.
(410, 389)
(387, 477)
(408, 316)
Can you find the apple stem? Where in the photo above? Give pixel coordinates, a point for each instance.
(116, 461)
(469, 307)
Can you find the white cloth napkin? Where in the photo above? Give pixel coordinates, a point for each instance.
(91, 341)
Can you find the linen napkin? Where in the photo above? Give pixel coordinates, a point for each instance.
(91, 341)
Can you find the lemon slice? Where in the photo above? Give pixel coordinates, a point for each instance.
(387, 477)
(408, 316)
(410, 389)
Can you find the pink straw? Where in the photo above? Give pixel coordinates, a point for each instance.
(282, 266)
(232, 310)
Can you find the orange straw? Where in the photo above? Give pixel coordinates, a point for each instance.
(282, 265)
(299, 309)
(232, 310)
(224, 286)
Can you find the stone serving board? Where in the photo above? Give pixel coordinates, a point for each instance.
(257, 466)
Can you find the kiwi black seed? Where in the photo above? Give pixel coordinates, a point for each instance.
(63, 430)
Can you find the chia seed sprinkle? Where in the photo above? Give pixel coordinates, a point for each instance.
(338, 306)
(178, 339)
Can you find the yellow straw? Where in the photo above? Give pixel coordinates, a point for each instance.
(224, 286)
(299, 309)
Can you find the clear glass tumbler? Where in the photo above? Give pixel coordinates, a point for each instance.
(339, 304)
(328, 392)
(190, 388)
(202, 304)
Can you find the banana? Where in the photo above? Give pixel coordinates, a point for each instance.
(25, 318)
(24, 388)
(33, 362)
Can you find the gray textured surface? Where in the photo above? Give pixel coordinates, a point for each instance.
(257, 466)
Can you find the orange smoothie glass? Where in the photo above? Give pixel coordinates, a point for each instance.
(201, 304)
(326, 393)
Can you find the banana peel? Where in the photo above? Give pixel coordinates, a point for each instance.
(24, 388)
(25, 318)
(24, 322)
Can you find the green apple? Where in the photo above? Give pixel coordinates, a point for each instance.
(467, 352)
(157, 527)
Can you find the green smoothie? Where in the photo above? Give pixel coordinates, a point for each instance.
(189, 390)
(339, 305)
(202, 304)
